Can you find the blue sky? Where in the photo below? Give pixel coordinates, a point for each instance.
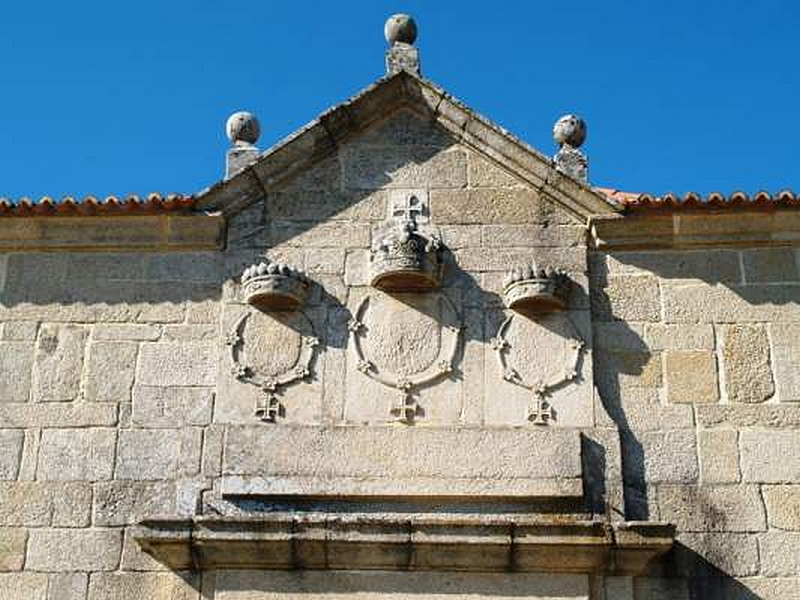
(102, 98)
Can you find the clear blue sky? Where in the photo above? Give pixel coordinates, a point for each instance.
(118, 97)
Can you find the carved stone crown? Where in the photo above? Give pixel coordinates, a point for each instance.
(404, 259)
(536, 290)
(274, 286)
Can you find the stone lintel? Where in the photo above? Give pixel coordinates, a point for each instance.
(357, 461)
(696, 229)
(112, 233)
(336, 541)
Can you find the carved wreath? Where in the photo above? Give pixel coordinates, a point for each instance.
(407, 409)
(541, 411)
(272, 385)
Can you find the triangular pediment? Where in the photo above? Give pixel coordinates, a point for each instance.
(441, 121)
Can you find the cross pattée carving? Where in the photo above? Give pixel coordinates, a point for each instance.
(407, 208)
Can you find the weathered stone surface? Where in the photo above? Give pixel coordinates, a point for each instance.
(135, 586)
(497, 259)
(10, 452)
(770, 265)
(786, 358)
(770, 456)
(691, 376)
(74, 549)
(128, 502)
(201, 331)
(177, 363)
(709, 265)
(482, 173)
(744, 416)
(373, 167)
(617, 371)
(160, 407)
(783, 506)
(58, 362)
(387, 460)
(20, 330)
(735, 554)
(655, 588)
(490, 206)
(194, 267)
(748, 376)
(135, 559)
(89, 414)
(639, 410)
(774, 588)
(68, 586)
(316, 585)
(719, 456)
(702, 303)
(77, 454)
(16, 360)
(503, 236)
(36, 504)
(313, 205)
(779, 552)
(158, 454)
(12, 548)
(629, 298)
(109, 371)
(126, 331)
(23, 586)
(659, 336)
(670, 456)
(706, 508)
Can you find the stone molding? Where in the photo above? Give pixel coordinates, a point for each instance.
(113, 233)
(389, 541)
(698, 229)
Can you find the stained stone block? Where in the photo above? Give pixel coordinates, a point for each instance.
(783, 506)
(741, 416)
(779, 552)
(16, 360)
(23, 586)
(769, 265)
(706, 508)
(159, 453)
(708, 265)
(177, 363)
(10, 452)
(73, 549)
(670, 456)
(691, 376)
(127, 502)
(719, 456)
(135, 559)
(659, 336)
(489, 206)
(58, 362)
(109, 371)
(703, 303)
(12, 548)
(135, 586)
(36, 504)
(77, 454)
(366, 461)
(735, 554)
(770, 456)
(656, 588)
(748, 376)
(160, 407)
(318, 585)
(786, 358)
(628, 298)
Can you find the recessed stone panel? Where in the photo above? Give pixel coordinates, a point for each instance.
(402, 461)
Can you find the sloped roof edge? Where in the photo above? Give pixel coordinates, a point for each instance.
(322, 136)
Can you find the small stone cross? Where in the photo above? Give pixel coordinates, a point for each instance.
(408, 208)
(406, 410)
(269, 408)
(541, 412)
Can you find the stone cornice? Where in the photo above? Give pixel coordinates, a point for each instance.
(400, 542)
(727, 227)
(163, 232)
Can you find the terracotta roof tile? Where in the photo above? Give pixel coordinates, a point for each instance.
(694, 201)
(88, 206)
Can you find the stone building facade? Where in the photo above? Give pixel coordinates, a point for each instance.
(401, 354)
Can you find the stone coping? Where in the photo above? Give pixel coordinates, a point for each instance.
(717, 228)
(464, 542)
(156, 232)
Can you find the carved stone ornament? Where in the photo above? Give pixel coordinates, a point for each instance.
(405, 258)
(531, 290)
(270, 285)
(528, 374)
(405, 341)
(271, 351)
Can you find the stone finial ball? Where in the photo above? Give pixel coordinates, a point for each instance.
(400, 28)
(242, 127)
(570, 129)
